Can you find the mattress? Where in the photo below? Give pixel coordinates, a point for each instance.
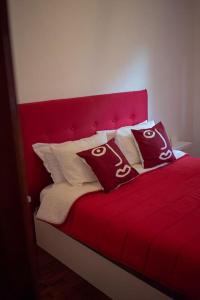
(151, 225)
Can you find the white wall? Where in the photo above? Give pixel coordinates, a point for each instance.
(71, 48)
(196, 86)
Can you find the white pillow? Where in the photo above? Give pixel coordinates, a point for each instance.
(75, 169)
(111, 133)
(125, 141)
(43, 150)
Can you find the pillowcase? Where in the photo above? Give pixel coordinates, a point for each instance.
(111, 133)
(74, 169)
(109, 164)
(153, 145)
(43, 150)
(125, 141)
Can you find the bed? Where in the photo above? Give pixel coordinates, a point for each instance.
(142, 249)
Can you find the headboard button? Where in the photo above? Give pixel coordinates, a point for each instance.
(115, 120)
(132, 116)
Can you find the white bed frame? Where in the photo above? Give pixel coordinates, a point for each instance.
(106, 276)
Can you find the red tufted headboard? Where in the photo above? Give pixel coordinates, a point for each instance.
(56, 121)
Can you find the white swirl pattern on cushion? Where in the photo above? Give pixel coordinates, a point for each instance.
(121, 172)
(150, 134)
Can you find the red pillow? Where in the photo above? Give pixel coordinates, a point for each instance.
(109, 164)
(153, 145)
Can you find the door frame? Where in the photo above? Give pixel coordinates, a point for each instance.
(17, 246)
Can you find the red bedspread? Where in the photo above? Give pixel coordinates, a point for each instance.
(151, 225)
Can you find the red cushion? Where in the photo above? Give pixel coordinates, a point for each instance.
(109, 164)
(153, 145)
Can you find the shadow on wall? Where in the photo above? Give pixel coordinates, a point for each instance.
(90, 47)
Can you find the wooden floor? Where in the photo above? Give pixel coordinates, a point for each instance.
(57, 282)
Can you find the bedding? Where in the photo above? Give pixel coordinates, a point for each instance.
(153, 145)
(57, 199)
(74, 169)
(109, 165)
(43, 150)
(125, 141)
(111, 133)
(140, 169)
(151, 225)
